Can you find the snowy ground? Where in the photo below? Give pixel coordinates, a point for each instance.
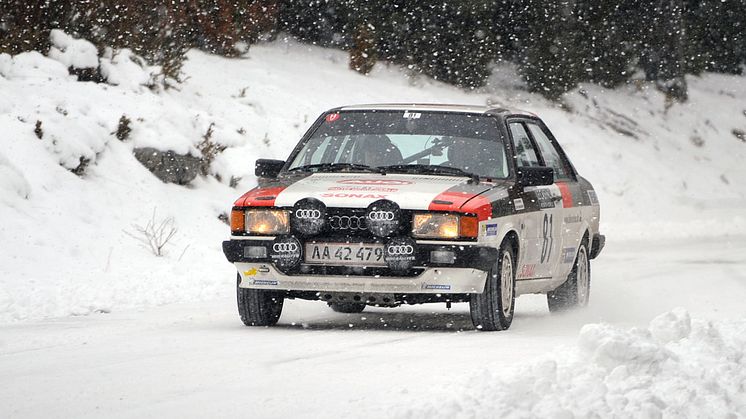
(197, 360)
(92, 324)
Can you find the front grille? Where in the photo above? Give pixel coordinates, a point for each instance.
(347, 222)
(350, 222)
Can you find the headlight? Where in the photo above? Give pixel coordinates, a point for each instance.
(267, 221)
(444, 226)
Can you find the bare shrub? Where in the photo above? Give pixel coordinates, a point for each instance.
(38, 130)
(209, 149)
(123, 129)
(156, 233)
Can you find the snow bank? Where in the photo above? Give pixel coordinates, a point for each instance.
(677, 367)
(124, 68)
(75, 53)
(12, 182)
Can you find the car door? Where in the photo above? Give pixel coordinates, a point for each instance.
(569, 215)
(541, 213)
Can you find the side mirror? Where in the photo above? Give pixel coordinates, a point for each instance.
(535, 176)
(268, 168)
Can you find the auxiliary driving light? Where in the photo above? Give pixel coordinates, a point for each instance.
(308, 217)
(286, 252)
(400, 253)
(383, 217)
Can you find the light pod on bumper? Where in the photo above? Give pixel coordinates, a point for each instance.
(308, 217)
(399, 254)
(286, 252)
(383, 218)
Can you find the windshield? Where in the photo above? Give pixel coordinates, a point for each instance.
(404, 141)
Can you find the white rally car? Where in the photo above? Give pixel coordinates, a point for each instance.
(405, 204)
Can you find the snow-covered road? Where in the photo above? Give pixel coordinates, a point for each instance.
(197, 360)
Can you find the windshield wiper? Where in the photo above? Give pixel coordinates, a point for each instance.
(331, 167)
(434, 169)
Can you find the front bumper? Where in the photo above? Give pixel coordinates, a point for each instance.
(430, 281)
(466, 274)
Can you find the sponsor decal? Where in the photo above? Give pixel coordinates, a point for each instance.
(285, 247)
(362, 189)
(353, 195)
(332, 117)
(527, 271)
(310, 214)
(375, 182)
(265, 282)
(490, 230)
(436, 286)
(250, 272)
(518, 204)
(566, 194)
(568, 255)
(412, 115)
(544, 196)
(573, 219)
(263, 269)
(592, 197)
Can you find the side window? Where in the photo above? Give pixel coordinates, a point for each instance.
(524, 150)
(548, 151)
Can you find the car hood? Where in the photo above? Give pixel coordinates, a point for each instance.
(358, 190)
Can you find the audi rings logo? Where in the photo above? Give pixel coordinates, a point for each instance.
(381, 215)
(400, 249)
(344, 222)
(285, 247)
(308, 214)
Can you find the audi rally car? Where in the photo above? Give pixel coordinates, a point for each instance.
(404, 204)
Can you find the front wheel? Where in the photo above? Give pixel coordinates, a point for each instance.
(493, 309)
(258, 307)
(576, 291)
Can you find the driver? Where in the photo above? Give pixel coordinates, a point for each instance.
(376, 150)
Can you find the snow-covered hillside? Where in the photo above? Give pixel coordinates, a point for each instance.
(66, 244)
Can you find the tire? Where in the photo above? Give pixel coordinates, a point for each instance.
(347, 307)
(575, 292)
(493, 309)
(258, 307)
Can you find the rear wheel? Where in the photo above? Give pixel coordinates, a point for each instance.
(576, 291)
(493, 309)
(258, 307)
(347, 307)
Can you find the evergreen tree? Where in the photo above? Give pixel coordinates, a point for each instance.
(550, 62)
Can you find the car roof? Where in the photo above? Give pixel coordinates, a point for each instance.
(436, 107)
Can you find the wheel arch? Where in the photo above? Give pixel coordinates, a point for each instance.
(512, 237)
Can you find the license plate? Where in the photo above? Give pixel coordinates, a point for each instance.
(359, 254)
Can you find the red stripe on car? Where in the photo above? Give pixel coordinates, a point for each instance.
(259, 197)
(566, 194)
(462, 202)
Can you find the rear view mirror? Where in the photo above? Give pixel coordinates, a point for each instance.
(268, 168)
(535, 176)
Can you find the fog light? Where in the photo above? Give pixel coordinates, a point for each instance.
(255, 252)
(442, 256)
